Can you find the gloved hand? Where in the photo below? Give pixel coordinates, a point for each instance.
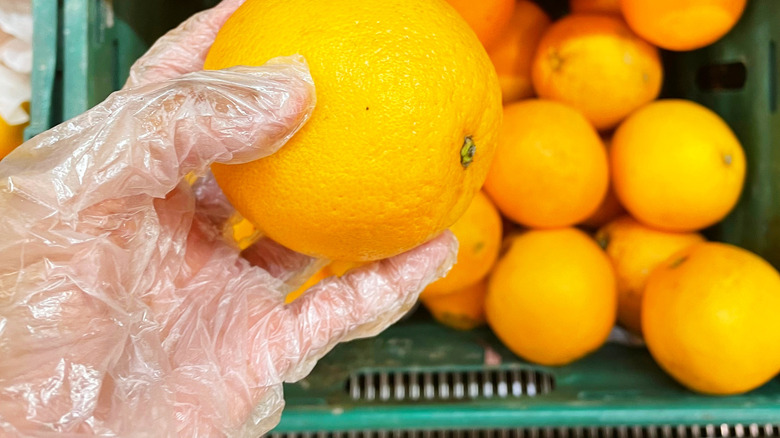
(123, 311)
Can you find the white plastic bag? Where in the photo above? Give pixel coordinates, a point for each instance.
(15, 59)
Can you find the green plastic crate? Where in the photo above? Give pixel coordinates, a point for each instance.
(408, 378)
(84, 50)
(419, 379)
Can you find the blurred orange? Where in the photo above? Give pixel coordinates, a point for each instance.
(595, 6)
(487, 18)
(513, 52)
(610, 207)
(463, 309)
(682, 24)
(10, 137)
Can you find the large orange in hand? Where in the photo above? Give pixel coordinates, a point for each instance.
(513, 52)
(488, 18)
(550, 169)
(677, 166)
(596, 64)
(402, 136)
(682, 24)
(551, 297)
(709, 317)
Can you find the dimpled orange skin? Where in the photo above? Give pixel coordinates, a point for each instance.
(709, 317)
(479, 238)
(677, 166)
(551, 168)
(513, 52)
(596, 64)
(488, 18)
(595, 6)
(377, 169)
(682, 24)
(552, 296)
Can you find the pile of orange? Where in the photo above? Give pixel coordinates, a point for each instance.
(607, 190)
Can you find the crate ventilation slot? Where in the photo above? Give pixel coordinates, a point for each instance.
(448, 385)
(699, 431)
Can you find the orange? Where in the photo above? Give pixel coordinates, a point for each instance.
(488, 18)
(10, 137)
(513, 52)
(551, 167)
(598, 66)
(463, 309)
(335, 268)
(609, 208)
(595, 6)
(552, 298)
(710, 318)
(635, 250)
(382, 165)
(340, 268)
(677, 166)
(241, 231)
(682, 24)
(314, 279)
(479, 238)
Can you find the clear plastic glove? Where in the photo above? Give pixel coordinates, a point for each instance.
(123, 312)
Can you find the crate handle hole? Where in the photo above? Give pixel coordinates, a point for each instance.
(719, 77)
(772, 76)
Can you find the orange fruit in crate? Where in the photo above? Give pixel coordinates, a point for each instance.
(382, 165)
(10, 137)
(551, 168)
(597, 65)
(709, 317)
(609, 208)
(488, 18)
(513, 52)
(479, 237)
(677, 166)
(463, 309)
(635, 250)
(682, 24)
(595, 6)
(552, 296)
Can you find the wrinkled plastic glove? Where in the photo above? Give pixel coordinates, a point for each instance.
(123, 311)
